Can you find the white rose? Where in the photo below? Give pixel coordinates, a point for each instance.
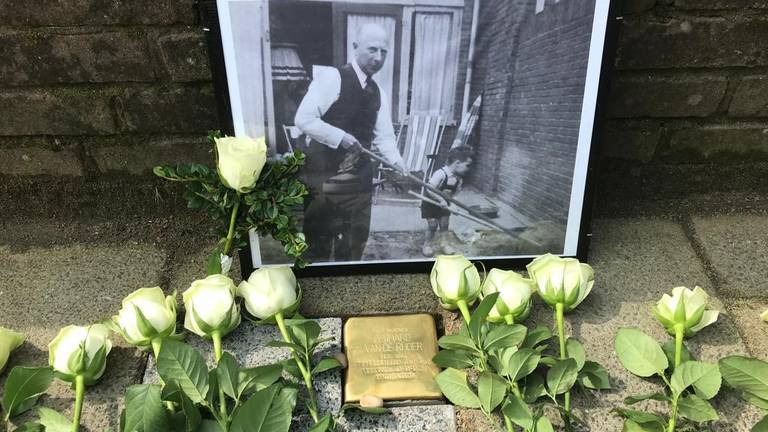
(146, 314)
(561, 280)
(763, 316)
(240, 161)
(81, 351)
(211, 307)
(514, 302)
(9, 341)
(269, 290)
(684, 308)
(453, 279)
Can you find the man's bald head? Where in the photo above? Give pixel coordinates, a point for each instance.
(371, 45)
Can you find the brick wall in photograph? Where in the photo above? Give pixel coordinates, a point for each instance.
(530, 122)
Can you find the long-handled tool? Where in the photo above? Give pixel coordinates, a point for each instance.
(441, 194)
(457, 212)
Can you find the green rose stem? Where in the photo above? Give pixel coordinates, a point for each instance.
(79, 395)
(462, 304)
(216, 336)
(302, 367)
(559, 311)
(231, 231)
(157, 343)
(509, 319)
(679, 334)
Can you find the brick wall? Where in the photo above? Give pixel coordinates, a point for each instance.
(688, 108)
(89, 87)
(531, 115)
(92, 90)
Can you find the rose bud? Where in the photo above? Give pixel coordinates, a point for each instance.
(80, 351)
(269, 290)
(147, 314)
(514, 301)
(684, 310)
(211, 307)
(9, 341)
(561, 280)
(454, 279)
(240, 161)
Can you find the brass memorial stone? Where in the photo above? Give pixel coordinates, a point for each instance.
(391, 357)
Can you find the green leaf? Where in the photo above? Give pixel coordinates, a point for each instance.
(23, 387)
(756, 401)
(454, 359)
(213, 263)
(657, 396)
(144, 410)
(518, 412)
(543, 425)
(639, 353)
(305, 332)
(522, 363)
(746, 374)
(761, 426)
(323, 425)
(704, 377)
(257, 378)
(537, 336)
(326, 364)
(594, 376)
(457, 342)
(453, 383)
(504, 336)
(669, 350)
(695, 408)
(227, 374)
(630, 426)
(477, 319)
(562, 376)
(209, 426)
(30, 427)
(181, 363)
(265, 411)
(575, 350)
(491, 389)
(54, 421)
(650, 422)
(190, 413)
(534, 388)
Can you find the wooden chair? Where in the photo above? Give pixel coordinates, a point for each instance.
(422, 140)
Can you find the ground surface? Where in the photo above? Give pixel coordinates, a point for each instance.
(74, 270)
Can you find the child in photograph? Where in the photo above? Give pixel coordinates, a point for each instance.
(448, 180)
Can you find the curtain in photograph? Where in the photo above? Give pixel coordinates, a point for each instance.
(434, 65)
(384, 76)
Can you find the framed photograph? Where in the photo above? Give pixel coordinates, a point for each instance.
(429, 126)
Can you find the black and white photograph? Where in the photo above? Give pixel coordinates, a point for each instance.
(429, 126)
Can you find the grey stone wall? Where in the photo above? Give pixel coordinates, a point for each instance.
(689, 95)
(94, 93)
(91, 87)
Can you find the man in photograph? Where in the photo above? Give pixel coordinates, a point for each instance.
(343, 112)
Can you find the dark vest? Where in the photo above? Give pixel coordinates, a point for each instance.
(356, 109)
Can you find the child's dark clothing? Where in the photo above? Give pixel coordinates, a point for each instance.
(447, 182)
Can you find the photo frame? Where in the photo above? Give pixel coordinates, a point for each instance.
(475, 136)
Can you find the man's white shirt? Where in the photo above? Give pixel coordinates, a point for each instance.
(323, 92)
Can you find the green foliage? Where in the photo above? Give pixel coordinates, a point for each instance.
(23, 387)
(267, 410)
(144, 411)
(454, 385)
(181, 364)
(271, 208)
(688, 388)
(54, 421)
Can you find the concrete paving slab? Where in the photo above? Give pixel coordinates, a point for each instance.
(737, 247)
(422, 418)
(754, 331)
(45, 289)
